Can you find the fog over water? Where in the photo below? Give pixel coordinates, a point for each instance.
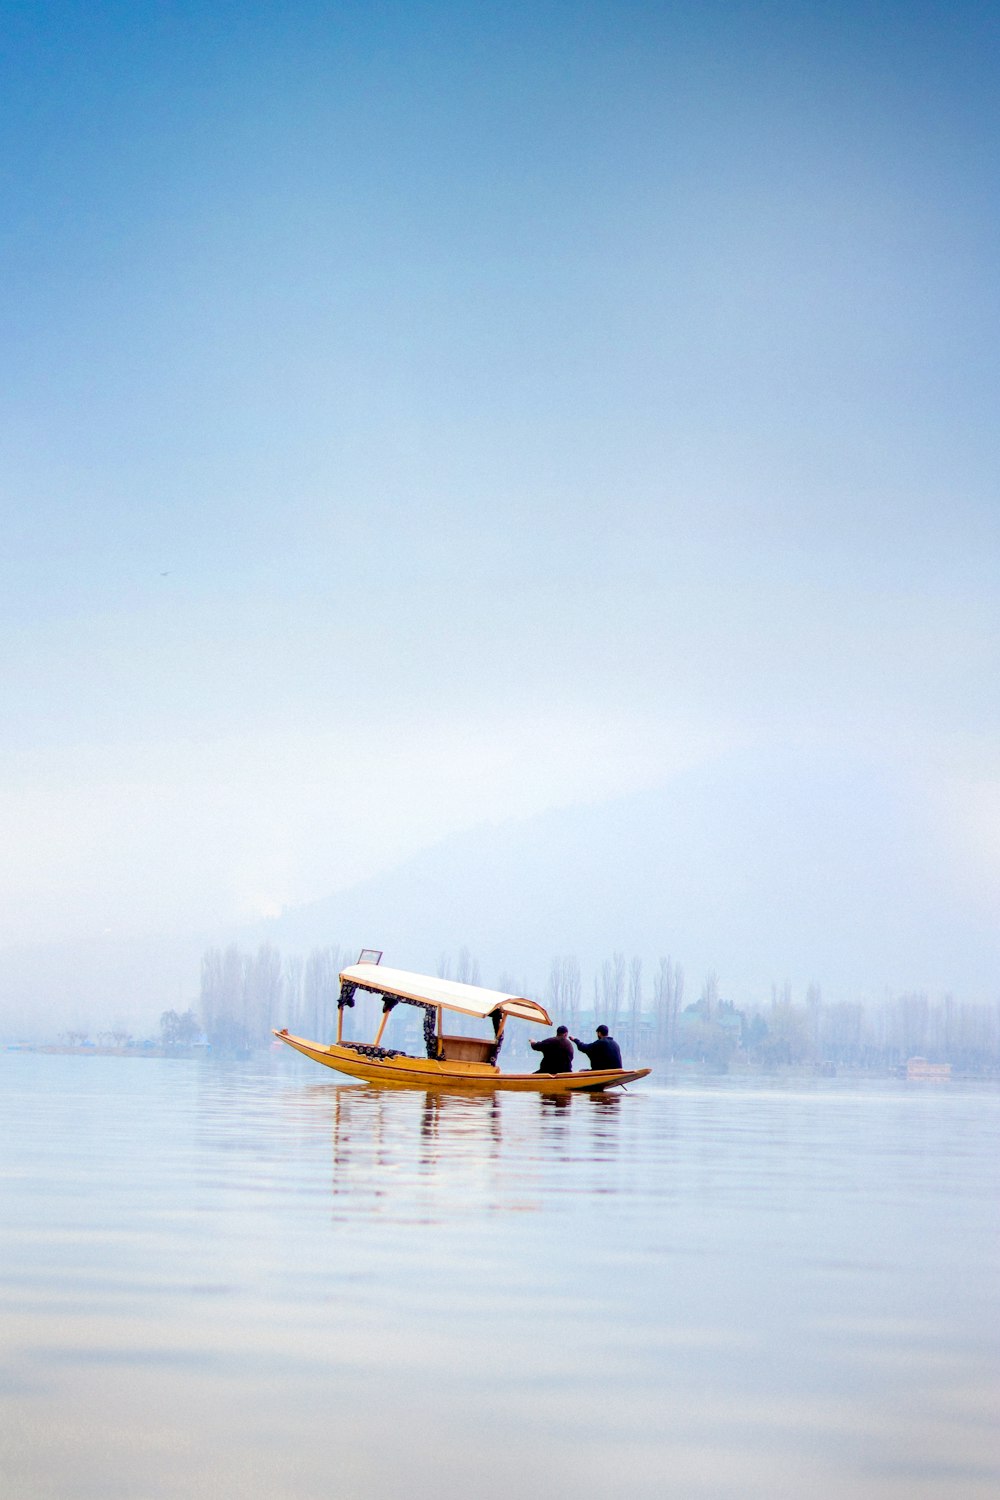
(252, 1280)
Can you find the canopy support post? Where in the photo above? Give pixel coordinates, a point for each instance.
(346, 997)
(430, 1039)
(499, 1019)
(388, 1004)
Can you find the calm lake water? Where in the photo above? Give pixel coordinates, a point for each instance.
(252, 1280)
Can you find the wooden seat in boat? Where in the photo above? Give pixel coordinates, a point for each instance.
(467, 1048)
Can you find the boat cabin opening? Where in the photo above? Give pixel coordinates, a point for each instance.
(434, 997)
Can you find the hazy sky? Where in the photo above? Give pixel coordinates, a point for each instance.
(418, 414)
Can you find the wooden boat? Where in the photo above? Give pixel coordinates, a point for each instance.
(467, 1064)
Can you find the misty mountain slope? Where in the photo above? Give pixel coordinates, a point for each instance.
(761, 871)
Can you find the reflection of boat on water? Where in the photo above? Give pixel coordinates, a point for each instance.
(467, 1064)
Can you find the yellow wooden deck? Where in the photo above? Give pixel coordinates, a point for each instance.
(460, 1077)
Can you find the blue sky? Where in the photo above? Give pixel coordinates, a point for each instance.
(421, 415)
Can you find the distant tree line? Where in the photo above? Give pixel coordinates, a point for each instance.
(243, 995)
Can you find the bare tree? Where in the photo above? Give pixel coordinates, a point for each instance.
(554, 994)
(294, 973)
(178, 1031)
(668, 991)
(222, 999)
(320, 988)
(571, 992)
(912, 1022)
(563, 992)
(612, 989)
(814, 1010)
(466, 970)
(635, 1002)
(841, 1036)
(948, 1021)
(262, 993)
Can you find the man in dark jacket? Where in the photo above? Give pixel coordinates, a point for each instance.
(604, 1053)
(557, 1052)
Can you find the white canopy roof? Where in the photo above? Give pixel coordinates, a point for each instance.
(470, 999)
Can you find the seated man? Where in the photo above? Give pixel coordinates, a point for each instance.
(557, 1052)
(604, 1053)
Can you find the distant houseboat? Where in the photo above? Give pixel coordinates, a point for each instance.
(919, 1069)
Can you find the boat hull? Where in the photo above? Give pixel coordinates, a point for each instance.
(456, 1077)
